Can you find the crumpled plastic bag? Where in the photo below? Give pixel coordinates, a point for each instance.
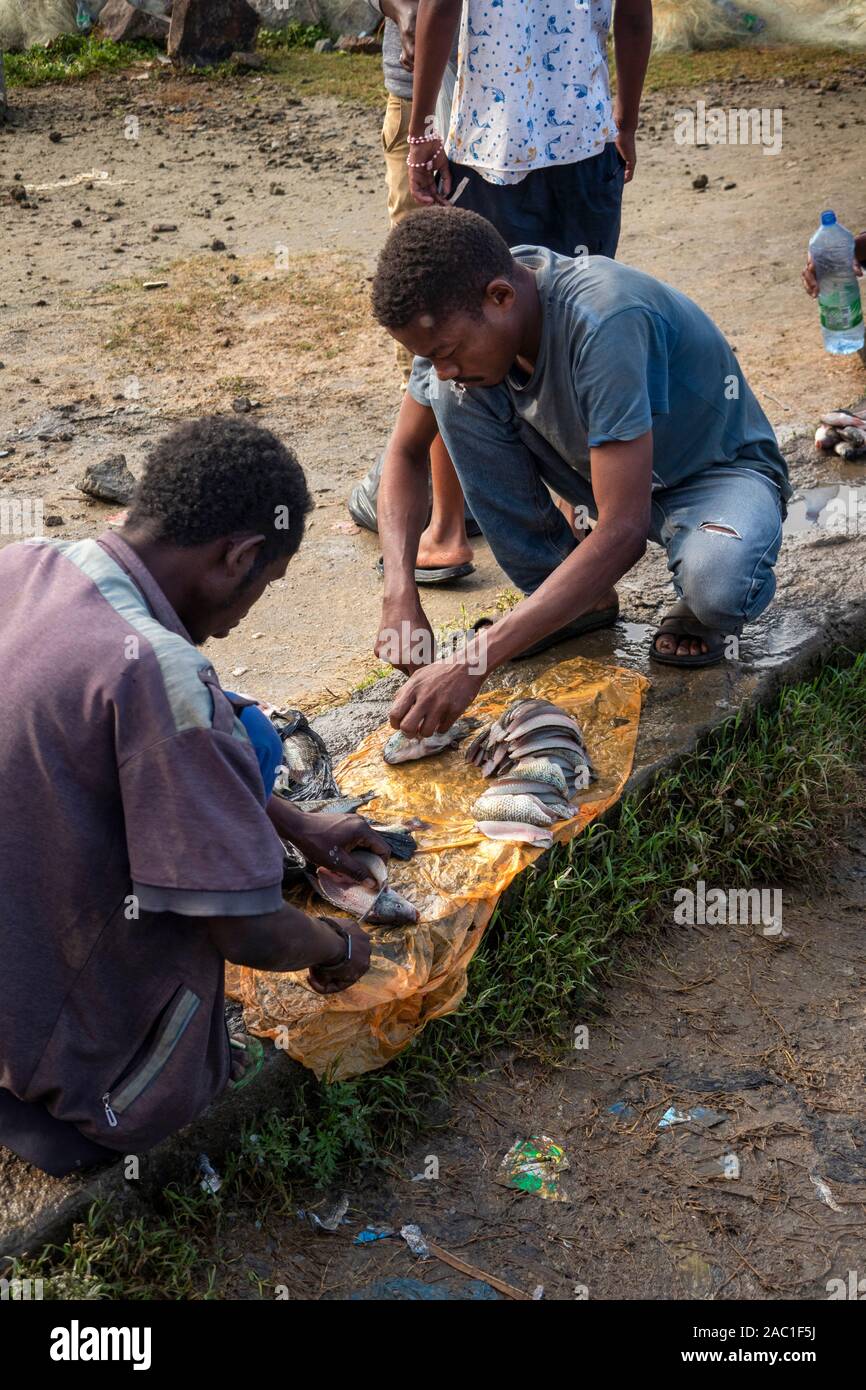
(455, 880)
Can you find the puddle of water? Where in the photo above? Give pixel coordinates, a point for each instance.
(838, 509)
(633, 638)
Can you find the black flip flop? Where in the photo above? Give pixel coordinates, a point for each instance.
(681, 622)
(588, 622)
(445, 575)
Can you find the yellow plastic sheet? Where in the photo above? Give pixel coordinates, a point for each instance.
(419, 973)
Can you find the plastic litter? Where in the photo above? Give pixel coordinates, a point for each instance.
(410, 1290)
(329, 1221)
(824, 1193)
(699, 1114)
(418, 973)
(371, 1233)
(622, 1110)
(534, 1165)
(415, 1241)
(211, 1180)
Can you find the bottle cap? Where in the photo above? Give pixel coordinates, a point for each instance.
(827, 219)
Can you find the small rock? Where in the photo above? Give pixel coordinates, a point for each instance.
(55, 137)
(234, 280)
(77, 222)
(701, 181)
(729, 185)
(163, 227)
(154, 284)
(217, 245)
(109, 481)
(253, 61)
(359, 43)
(240, 670)
(242, 405)
(52, 520)
(277, 190)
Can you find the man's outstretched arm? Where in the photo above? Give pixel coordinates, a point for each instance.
(402, 512)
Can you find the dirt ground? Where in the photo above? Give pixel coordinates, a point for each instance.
(765, 1031)
(96, 364)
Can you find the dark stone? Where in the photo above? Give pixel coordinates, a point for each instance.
(209, 31)
(109, 481)
(356, 43)
(700, 182)
(123, 23)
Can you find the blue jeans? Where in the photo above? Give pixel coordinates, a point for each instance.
(727, 580)
(265, 740)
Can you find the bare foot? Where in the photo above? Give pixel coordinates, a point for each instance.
(435, 551)
(669, 645)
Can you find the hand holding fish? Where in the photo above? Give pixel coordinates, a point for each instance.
(326, 840)
(434, 698)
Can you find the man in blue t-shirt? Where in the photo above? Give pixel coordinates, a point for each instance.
(599, 382)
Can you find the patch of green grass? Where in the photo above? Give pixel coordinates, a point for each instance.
(756, 62)
(351, 77)
(72, 56)
(295, 35)
(154, 1255)
(763, 800)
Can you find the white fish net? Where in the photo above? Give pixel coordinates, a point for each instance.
(684, 25)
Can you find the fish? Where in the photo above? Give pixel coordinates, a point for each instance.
(306, 774)
(854, 436)
(516, 832)
(848, 452)
(838, 419)
(401, 749)
(826, 437)
(526, 809)
(339, 805)
(540, 770)
(546, 720)
(401, 843)
(371, 900)
(512, 786)
(543, 742)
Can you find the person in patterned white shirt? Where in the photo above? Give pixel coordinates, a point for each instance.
(541, 149)
(535, 144)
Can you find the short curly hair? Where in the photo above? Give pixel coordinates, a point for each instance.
(439, 261)
(221, 476)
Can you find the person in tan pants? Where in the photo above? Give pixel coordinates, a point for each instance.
(444, 553)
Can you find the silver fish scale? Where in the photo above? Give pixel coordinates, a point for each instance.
(512, 808)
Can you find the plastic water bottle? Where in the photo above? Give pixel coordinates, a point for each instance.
(832, 250)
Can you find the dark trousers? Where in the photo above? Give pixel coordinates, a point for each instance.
(53, 1145)
(563, 206)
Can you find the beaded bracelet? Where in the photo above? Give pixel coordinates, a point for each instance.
(424, 139)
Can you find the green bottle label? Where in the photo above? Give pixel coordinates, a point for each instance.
(840, 309)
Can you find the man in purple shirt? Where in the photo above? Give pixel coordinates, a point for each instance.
(140, 847)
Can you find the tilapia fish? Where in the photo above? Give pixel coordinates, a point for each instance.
(305, 774)
(371, 900)
(536, 756)
(400, 749)
(515, 832)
